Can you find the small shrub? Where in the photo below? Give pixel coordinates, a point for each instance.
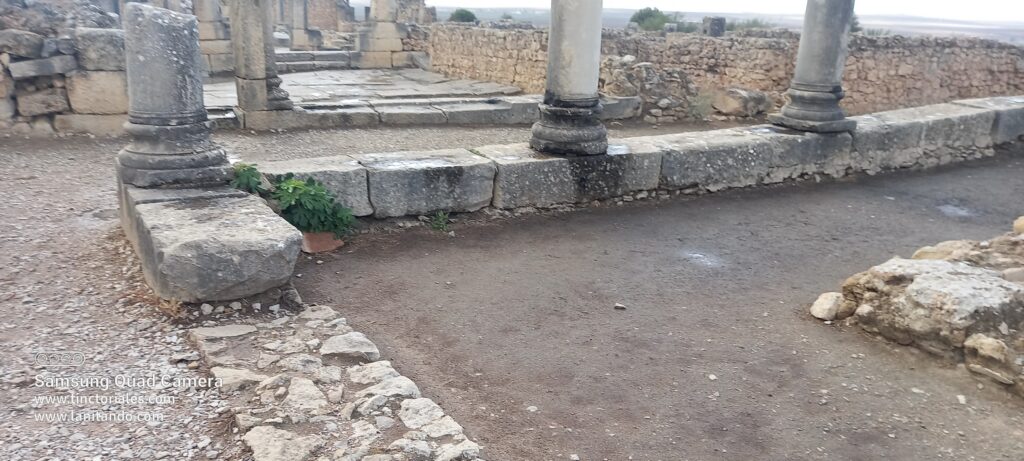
(507, 17)
(439, 221)
(877, 32)
(462, 15)
(855, 25)
(651, 19)
(248, 178)
(756, 23)
(310, 208)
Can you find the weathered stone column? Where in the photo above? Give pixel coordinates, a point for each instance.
(166, 118)
(252, 40)
(816, 88)
(568, 116)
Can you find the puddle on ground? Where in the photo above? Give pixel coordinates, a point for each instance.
(954, 211)
(701, 259)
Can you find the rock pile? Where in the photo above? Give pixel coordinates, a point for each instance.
(668, 94)
(306, 387)
(960, 300)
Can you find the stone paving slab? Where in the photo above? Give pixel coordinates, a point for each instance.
(342, 175)
(413, 183)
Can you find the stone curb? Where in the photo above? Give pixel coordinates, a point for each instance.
(514, 176)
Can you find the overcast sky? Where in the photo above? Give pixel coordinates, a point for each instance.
(975, 10)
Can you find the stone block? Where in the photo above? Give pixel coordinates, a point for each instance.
(947, 125)
(48, 101)
(41, 67)
(525, 109)
(299, 118)
(100, 49)
(402, 59)
(6, 85)
(102, 125)
(413, 183)
(526, 177)
(491, 112)
(1009, 123)
(380, 44)
(342, 175)
(214, 31)
(620, 108)
(220, 63)
(411, 115)
(215, 46)
(886, 141)
(98, 92)
(208, 244)
(7, 109)
(21, 43)
(371, 60)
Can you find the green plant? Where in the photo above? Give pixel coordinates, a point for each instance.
(651, 19)
(855, 25)
(506, 17)
(755, 23)
(462, 15)
(877, 32)
(699, 107)
(309, 207)
(248, 178)
(439, 221)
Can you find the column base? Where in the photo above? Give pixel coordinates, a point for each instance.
(172, 156)
(570, 131)
(832, 126)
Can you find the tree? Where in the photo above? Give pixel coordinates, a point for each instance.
(507, 17)
(855, 25)
(650, 19)
(462, 15)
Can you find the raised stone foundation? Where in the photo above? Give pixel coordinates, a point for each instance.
(514, 176)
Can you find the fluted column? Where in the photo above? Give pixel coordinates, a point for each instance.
(817, 85)
(167, 121)
(568, 116)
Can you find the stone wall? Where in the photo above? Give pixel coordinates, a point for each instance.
(61, 70)
(882, 73)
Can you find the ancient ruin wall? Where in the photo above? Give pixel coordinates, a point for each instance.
(882, 73)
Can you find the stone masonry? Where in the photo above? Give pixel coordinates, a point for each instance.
(882, 73)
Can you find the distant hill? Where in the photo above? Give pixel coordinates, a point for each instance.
(1012, 32)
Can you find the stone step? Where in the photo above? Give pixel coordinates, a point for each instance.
(310, 66)
(302, 56)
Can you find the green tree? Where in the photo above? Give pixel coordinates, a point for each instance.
(462, 15)
(650, 19)
(507, 17)
(855, 25)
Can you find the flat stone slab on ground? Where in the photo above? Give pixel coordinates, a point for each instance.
(342, 175)
(208, 249)
(412, 183)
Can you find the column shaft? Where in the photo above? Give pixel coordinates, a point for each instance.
(252, 41)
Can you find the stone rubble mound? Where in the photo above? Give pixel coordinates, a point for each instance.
(959, 300)
(306, 387)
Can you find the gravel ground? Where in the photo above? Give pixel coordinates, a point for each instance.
(69, 283)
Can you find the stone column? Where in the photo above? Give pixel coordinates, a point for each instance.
(252, 40)
(166, 118)
(568, 116)
(816, 88)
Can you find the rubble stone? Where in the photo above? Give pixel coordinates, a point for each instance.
(48, 101)
(100, 49)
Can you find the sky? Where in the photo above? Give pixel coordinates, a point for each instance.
(972, 10)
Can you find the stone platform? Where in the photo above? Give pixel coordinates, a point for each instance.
(365, 98)
(515, 176)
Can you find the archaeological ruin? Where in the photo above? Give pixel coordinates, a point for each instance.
(206, 100)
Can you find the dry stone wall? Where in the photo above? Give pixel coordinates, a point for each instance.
(882, 73)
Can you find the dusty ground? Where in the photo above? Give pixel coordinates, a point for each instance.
(518, 316)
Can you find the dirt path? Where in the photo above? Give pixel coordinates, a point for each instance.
(511, 327)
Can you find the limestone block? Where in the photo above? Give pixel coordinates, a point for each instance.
(887, 140)
(491, 112)
(208, 244)
(411, 115)
(41, 102)
(526, 177)
(620, 108)
(741, 102)
(41, 67)
(100, 49)
(412, 183)
(714, 160)
(21, 43)
(103, 125)
(342, 175)
(948, 125)
(6, 85)
(7, 109)
(98, 92)
(1009, 124)
(215, 46)
(404, 59)
(524, 109)
(373, 44)
(299, 118)
(214, 31)
(372, 60)
(220, 63)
